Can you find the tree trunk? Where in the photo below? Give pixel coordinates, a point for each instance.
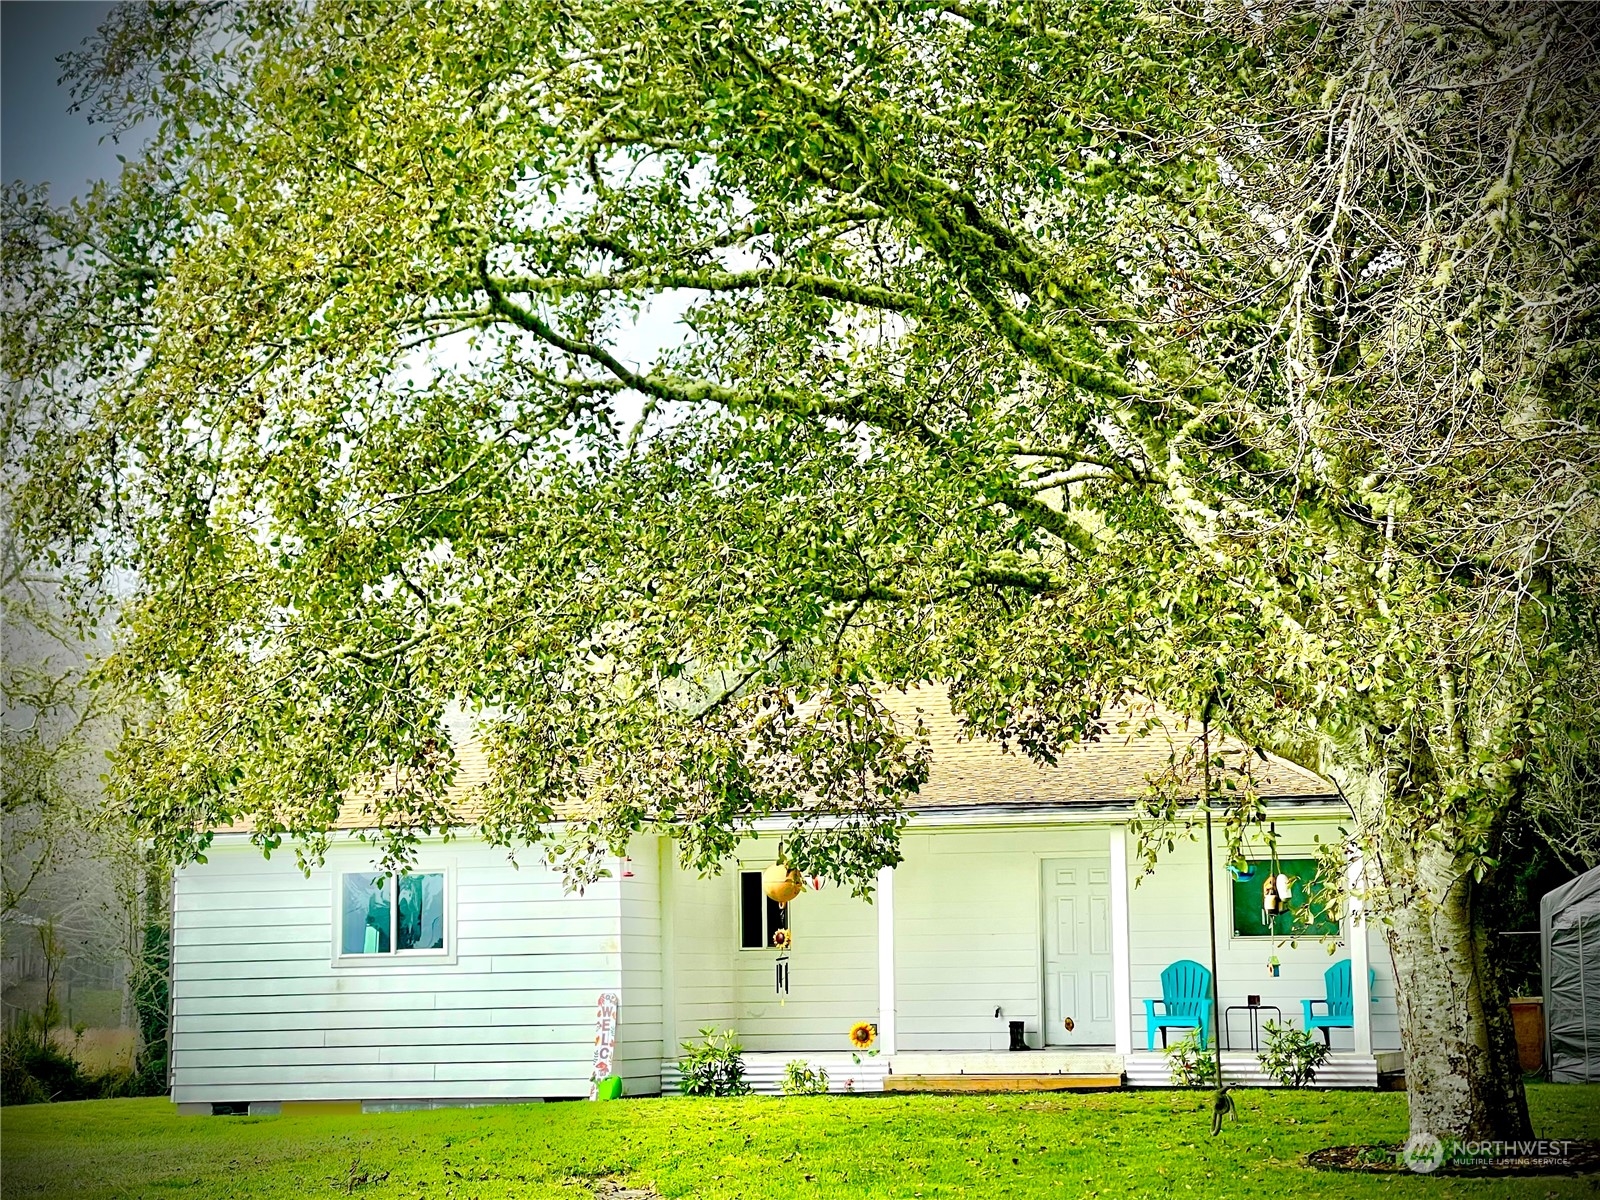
(1462, 1076)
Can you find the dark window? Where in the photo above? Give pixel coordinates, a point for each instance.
(759, 917)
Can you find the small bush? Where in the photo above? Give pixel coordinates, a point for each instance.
(34, 1070)
(149, 1078)
(1189, 1064)
(713, 1066)
(800, 1080)
(1290, 1055)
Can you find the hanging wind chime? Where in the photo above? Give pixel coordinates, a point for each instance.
(782, 884)
(1277, 889)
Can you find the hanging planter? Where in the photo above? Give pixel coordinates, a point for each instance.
(782, 884)
(1242, 874)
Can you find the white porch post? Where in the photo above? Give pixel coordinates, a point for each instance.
(1360, 987)
(884, 903)
(1121, 985)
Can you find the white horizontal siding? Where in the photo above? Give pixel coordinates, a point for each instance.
(967, 933)
(471, 979)
(314, 1086)
(833, 968)
(1167, 915)
(492, 1034)
(637, 1060)
(261, 1013)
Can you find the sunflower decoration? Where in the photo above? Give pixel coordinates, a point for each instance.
(863, 1034)
(783, 940)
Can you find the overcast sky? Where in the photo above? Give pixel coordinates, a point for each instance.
(40, 142)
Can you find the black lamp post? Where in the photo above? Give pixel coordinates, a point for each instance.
(1211, 890)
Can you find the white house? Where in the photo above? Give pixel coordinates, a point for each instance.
(1020, 898)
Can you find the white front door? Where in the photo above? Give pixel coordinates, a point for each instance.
(1077, 952)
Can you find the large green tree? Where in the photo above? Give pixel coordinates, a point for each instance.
(1239, 358)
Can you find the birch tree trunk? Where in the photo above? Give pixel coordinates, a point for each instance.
(1462, 1075)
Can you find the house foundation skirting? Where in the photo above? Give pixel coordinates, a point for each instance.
(1035, 1070)
(1240, 1069)
(764, 1072)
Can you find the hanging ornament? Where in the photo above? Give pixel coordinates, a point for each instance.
(1275, 888)
(814, 882)
(782, 884)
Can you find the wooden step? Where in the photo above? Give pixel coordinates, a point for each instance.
(999, 1083)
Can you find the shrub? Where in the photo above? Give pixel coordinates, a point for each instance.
(34, 1070)
(713, 1066)
(800, 1080)
(1189, 1064)
(1290, 1055)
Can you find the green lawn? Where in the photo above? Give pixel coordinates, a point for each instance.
(1110, 1144)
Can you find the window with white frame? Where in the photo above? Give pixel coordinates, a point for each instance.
(759, 916)
(392, 914)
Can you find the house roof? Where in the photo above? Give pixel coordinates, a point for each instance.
(968, 773)
(1111, 770)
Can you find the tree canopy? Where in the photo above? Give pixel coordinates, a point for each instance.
(1237, 358)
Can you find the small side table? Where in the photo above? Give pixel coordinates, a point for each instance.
(1255, 1011)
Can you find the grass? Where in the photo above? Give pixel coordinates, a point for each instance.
(1109, 1144)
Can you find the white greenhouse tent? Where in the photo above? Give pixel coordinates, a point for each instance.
(1569, 947)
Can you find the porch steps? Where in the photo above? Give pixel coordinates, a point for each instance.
(1000, 1083)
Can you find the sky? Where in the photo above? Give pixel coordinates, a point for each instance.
(39, 140)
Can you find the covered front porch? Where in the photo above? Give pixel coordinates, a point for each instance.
(1050, 923)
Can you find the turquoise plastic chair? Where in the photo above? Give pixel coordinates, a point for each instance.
(1340, 1003)
(1185, 1000)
